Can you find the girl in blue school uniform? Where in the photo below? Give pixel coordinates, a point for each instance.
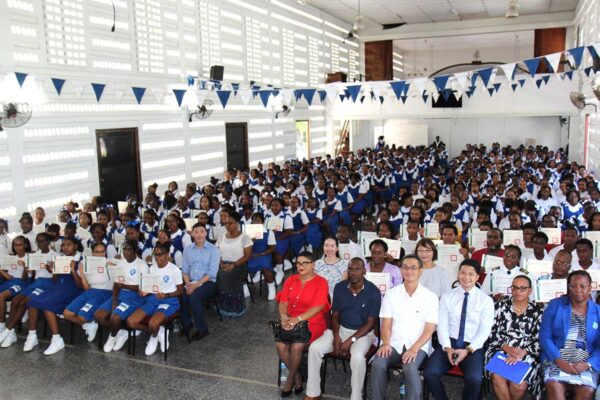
(572, 209)
(54, 299)
(192, 196)
(321, 190)
(160, 306)
(347, 201)
(125, 297)
(180, 239)
(42, 280)
(175, 256)
(380, 186)
(300, 222)
(262, 256)
(15, 277)
(331, 208)
(150, 225)
(395, 217)
(281, 236)
(314, 236)
(97, 289)
(99, 236)
(132, 232)
(358, 190)
(183, 208)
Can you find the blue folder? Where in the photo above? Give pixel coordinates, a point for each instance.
(515, 373)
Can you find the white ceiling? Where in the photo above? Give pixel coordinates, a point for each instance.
(425, 11)
(495, 40)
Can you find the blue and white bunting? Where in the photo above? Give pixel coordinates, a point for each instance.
(21, 78)
(179, 93)
(224, 96)
(553, 60)
(485, 75)
(98, 90)
(532, 65)
(138, 92)
(58, 84)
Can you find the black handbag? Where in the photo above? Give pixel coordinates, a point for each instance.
(299, 334)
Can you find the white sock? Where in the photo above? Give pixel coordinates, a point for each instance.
(278, 267)
(57, 336)
(32, 333)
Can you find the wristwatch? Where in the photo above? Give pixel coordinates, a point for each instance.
(353, 339)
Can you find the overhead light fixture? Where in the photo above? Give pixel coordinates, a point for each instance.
(358, 21)
(513, 9)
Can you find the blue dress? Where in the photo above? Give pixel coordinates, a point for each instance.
(256, 264)
(313, 234)
(344, 215)
(59, 295)
(297, 240)
(359, 206)
(331, 217)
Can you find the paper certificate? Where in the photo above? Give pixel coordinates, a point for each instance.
(432, 230)
(512, 237)
(501, 284)
(150, 283)
(394, 247)
(275, 224)
(218, 231)
(119, 240)
(115, 273)
(409, 246)
(448, 253)
(194, 213)
(554, 235)
(255, 231)
(539, 268)
(548, 289)
(39, 228)
(527, 253)
(594, 237)
(189, 223)
(345, 252)
(365, 241)
(62, 265)
(380, 279)
(488, 262)
(477, 238)
(122, 206)
(595, 275)
(94, 265)
(37, 261)
(9, 263)
(83, 234)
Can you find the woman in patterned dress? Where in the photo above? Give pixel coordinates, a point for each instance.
(570, 341)
(515, 332)
(331, 266)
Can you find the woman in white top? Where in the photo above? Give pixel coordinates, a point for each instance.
(331, 266)
(236, 250)
(434, 277)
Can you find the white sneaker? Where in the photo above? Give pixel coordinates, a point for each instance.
(138, 333)
(25, 317)
(121, 339)
(272, 291)
(56, 344)
(161, 339)
(10, 339)
(90, 331)
(110, 343)
(246, 291)
(256, 278)
(31, 342)
(3, 334)
(151, 346)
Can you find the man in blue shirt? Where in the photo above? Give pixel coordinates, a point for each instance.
(356, 304)
(200, 267)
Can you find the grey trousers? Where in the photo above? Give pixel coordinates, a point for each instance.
(410, 372)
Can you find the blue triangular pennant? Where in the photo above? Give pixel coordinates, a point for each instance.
(202, 84)
(532, 65)
(469, 93)
(264, 96)
(546, 79)
(372, 95)
(569, 74)
(98, 89)
(491, 91)
(406, 87)
(381, 99)
(322, 95)
(235, 87)
(353, 90)
(342, 97)
(298, 94)
(223, 96)
(309, 94)
(254, 93)
(587, 71)
(190, 80)
(446, 94)
(497, 86)
(592, 51)
(425, 96)
(362, 99)
(538, 82)
(440, 82)
(514, 86)
(138, 92)
(577, 54)
(404, 97)
(398, 88)
(58, 84)
(485, 75)
(21, 78)
(179, 93)
(522, 82)
(216, 84)
(256, 87)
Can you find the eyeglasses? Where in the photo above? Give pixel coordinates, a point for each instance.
(303, 263)
(410, 268)
(519, 288)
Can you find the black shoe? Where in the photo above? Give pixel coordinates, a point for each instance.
(283, 394)
(299, 390)
(199, 335)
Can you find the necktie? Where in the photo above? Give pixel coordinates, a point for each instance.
(460, 340)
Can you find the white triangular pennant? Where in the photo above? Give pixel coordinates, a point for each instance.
(457, 94)
(332, 92)
(79, 85)
(119, 92)
(461, 79)
(245, 95)
(286, 96)
(420, 84)
(554, 59)
(435, 95)
(158, 93)
(509, 70)
(378, 88)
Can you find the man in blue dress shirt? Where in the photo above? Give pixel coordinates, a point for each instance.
(200, 267)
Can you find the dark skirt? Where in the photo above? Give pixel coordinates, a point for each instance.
(232, 302)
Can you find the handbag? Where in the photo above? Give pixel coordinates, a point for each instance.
(298, 334)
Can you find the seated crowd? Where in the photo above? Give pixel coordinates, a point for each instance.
(400, 258)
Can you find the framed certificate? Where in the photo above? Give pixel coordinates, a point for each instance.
(94, 265)
(380, 279)
(37, 261)
(538, 268)
(488, 262)
(432, 230)
(115, 273)
(554, 235)
(62, 265)
(549, 289)
(501, 284)
(512, 237)
(345, 252)
(477, 238)
(275, 224)
(255, 231)
(9, 263)
(394, 247)
(150, 283)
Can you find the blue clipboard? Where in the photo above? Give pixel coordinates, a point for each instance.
(515, 373)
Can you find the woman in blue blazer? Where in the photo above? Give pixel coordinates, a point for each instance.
(570, 341)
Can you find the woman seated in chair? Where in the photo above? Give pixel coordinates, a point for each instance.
(570, 341)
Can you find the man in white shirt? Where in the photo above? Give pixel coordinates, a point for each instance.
(409, 313)
(466, 319)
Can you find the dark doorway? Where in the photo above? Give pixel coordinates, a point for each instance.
(237, 145)
(118, 164)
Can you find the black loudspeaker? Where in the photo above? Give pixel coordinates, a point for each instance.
(216, 72)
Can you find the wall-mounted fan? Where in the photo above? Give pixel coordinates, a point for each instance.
(285, 111)
(203, 111)
(596, 87)
(578, 99)
(13, 115)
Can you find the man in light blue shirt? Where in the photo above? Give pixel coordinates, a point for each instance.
(200, 267)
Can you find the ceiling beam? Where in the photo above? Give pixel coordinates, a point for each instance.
(470, 27)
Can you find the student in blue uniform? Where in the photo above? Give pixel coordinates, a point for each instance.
(314, 237)
(262, 256)
(125, 298)
(300, 222)
(97, 289)
(161, 305)
(150, 226)
(42, 280)
(281, 236)
(55, 298)
(15, 277)
(331, 208)
(179, 238)
(99, 236)
(572, 209)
